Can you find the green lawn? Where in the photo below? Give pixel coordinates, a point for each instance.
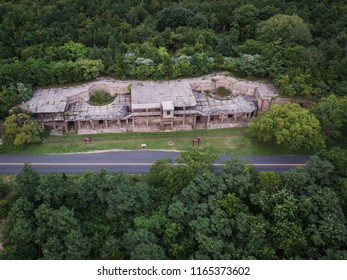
(234, 141)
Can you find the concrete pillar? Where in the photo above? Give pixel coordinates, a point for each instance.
(221, 118)
(92, 123)
(208, 121)
(194, 123)
(106, 123)
(118, 121)
(126, 120)
(65, 126)
(133, 121)
(54, 126)
(235, 117)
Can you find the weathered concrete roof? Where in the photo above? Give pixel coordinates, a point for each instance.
(46, 101)
(153, 93)
(81, 110)
(148, 95)
(167, 105)
(239, 104)
(265, 91)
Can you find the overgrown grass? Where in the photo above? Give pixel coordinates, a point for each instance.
(100, 97)
(234, 141)
(223, 92)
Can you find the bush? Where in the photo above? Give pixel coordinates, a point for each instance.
(223, 92)
(3, 209)
(4, 189)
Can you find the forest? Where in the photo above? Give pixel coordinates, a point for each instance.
(300, 46)
(180, 212)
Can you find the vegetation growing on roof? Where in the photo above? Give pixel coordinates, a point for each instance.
(100, 98)
(223, 92)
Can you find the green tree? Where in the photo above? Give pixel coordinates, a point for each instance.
(286, 28)
(20, 129)
(249, 65)
(331, 112)
(27, 181)
(269, 181)
(288, 125)
(58, 234)
(51, 190)
(338, 158)
(141, 244)
(173, 17)
(19, 230)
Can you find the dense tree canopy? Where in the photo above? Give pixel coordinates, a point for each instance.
(235, 214)
(299, 45)
(289, 29)
(332, 115)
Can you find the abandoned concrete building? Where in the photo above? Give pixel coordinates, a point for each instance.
(150, 105)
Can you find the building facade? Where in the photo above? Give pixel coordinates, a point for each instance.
(150, 105)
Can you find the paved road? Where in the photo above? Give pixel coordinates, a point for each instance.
(126, 161)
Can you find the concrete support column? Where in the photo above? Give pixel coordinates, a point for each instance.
(208, 121)
(147, 118)
(92, 123)
(65, 126)
(133, 121)
(194, 122)
(221, 118)
(54, 126)
(235, 117)
(41, 121)
(106, 123)
(118, 121)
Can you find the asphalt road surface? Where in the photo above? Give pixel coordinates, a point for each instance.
(127, 162)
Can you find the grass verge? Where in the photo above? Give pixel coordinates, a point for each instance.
(234, 141)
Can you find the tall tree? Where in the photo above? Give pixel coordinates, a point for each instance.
(288, 125)
(331, 112)
(20, 129)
